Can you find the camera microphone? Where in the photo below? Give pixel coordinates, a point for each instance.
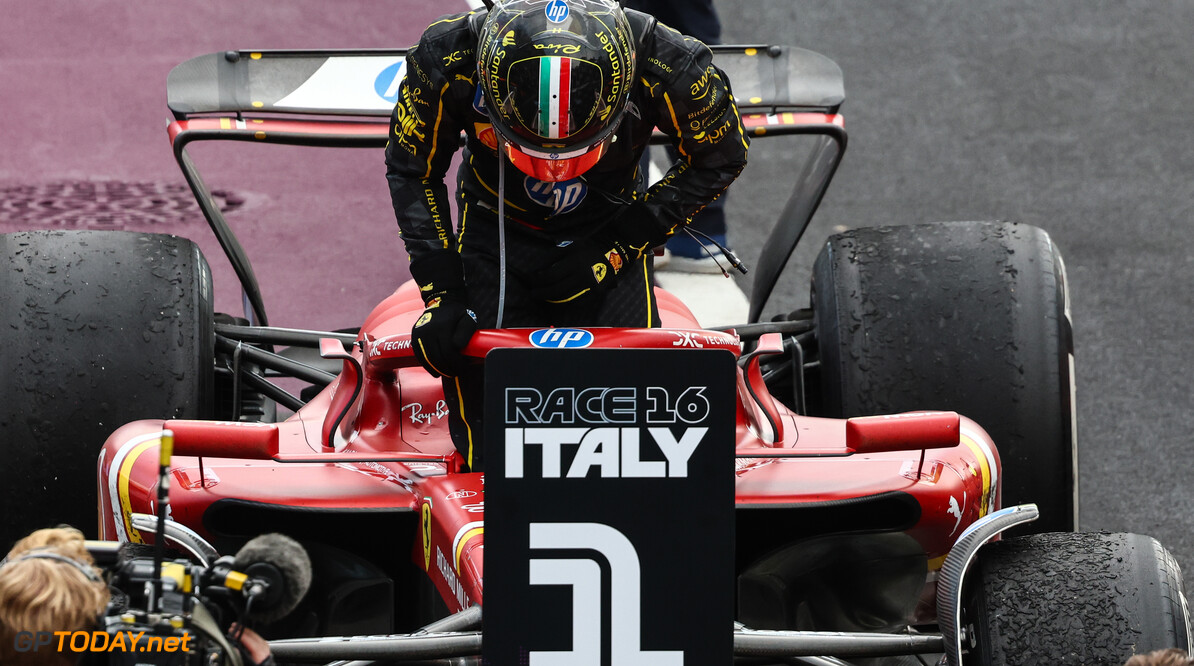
(279, 573)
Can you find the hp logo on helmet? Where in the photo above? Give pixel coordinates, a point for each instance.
(557, 11)
(561, 338)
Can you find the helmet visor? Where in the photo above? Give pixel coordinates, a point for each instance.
(556, 167)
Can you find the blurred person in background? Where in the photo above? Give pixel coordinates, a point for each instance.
(1169, 657)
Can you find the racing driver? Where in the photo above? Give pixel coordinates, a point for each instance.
(557, 100)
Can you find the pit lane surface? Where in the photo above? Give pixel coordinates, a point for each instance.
(1073, 116)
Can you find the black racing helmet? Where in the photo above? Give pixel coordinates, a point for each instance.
(556, 75)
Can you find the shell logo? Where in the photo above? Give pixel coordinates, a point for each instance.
(486, 135)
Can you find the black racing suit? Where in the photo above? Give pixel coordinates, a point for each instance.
(677, 89)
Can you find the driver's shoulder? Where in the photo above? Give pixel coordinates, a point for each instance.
(671, 58)
(448, 45)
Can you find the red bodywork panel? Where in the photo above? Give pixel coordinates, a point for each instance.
(388, 448)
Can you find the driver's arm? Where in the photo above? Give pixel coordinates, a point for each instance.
(696, 109)
(424, 135)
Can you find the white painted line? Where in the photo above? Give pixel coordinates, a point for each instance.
(715, 299)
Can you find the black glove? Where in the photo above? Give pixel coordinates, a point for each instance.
(446, 325)
(441, 332)
(593, 264)
(585, 267)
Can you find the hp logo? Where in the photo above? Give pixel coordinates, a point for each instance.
(557, 11)
(561, 338)
(561, 197)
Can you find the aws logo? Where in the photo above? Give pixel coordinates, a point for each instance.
(389, 80)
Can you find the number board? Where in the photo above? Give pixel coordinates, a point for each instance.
(609, 516)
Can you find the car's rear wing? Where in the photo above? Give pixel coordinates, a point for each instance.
(365, 82)
(344, 98)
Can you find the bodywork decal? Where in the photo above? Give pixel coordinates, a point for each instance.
(361, 82)
(987, 468)
(426, 513)
(463, 536)
(118, 484)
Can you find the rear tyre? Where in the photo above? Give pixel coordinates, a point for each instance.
(966, 316)
(97, 328)
(1077, 598)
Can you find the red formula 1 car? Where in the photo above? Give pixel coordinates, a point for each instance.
(866, 514)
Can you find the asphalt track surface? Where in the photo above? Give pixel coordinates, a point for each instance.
(1072, 115)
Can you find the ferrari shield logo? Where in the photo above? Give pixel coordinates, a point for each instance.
(599, 272)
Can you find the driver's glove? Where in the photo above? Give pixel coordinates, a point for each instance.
(446, 325)
(592, 264)
(442, 332)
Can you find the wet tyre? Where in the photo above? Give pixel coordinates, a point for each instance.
(1073, 598)
(97, 328)
(966, 316)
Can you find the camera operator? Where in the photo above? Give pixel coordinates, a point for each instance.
(48, 583)
(252, 645)
(51, 592)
